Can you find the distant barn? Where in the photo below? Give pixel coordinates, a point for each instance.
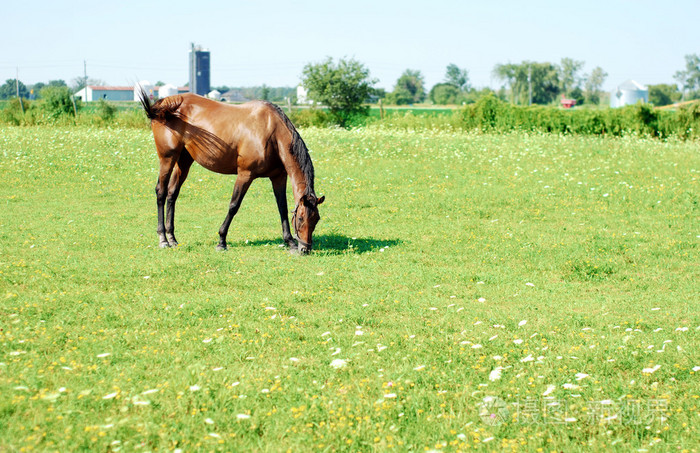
(95, 93)
(127, 93)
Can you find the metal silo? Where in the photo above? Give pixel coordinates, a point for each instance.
(199, 70)
(628, 93)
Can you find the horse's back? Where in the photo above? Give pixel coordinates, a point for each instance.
(225, 138)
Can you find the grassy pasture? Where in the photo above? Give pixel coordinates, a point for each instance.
(491, 292)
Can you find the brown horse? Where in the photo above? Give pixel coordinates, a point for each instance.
(252, 140)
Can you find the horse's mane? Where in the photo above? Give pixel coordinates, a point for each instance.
(299, 150)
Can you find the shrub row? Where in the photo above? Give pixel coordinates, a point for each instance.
(492, 114)
(489, 114)
(61, 110)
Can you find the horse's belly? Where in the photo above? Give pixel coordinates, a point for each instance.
(218, 162)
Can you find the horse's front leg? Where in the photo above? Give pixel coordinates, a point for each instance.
(239, 190)
(279, 187)
(178, 177)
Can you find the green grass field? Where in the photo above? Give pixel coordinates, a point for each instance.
(490, 292)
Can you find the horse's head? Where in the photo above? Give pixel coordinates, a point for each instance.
(305, 219)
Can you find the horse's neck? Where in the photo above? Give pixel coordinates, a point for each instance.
(300, 183)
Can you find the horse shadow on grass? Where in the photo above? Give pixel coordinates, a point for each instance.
(333, 244)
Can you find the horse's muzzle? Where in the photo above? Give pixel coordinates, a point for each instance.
(303, 248)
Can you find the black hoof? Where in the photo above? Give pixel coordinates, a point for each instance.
(221, 248)
(173, 243)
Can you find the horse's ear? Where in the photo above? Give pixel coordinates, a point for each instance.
(320, 200)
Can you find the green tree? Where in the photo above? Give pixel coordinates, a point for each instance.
(409, 89)
(343, 87)
(457, 77)
(577, 95)
(36, 89)
(689, 79)
(474, 95)
(664, 94)
(508, 73)
(569, 79)
(545, 83)
(444, 93)
(379, 93)
(594, 85)
(9, 89)
(265, 93)
(530, 80)
(400, 96)
(57, 101)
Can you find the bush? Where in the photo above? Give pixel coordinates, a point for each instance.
(17, 114)
(485, 114)
(311, 118)
(106, 111)
(58, 101)
(684, 123)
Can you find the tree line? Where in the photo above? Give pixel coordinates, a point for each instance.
(346, 87)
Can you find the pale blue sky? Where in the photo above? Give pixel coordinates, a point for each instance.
(256, 42)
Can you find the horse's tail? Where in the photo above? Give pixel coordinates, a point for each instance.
(163, 109)
(298, 149)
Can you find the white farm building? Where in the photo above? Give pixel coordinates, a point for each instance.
(127, 93)
(95, 93)
(628, 93)
(303, 96)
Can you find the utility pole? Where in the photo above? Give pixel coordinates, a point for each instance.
(529, 84)
(21, 105)
(85, 75)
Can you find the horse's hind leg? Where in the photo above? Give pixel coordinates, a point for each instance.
(178, 177)
(241, 186)
(166, 168)
(279, 187)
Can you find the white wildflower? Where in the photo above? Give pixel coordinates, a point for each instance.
(339, 363)
(495, 374)
(651, 370)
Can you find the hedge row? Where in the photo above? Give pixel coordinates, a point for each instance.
(492, 114)
(489, 114)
